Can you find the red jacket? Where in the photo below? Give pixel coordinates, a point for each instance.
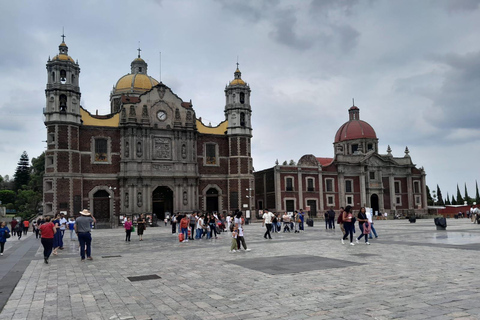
(184, 223)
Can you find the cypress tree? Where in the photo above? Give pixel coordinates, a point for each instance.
(453, 201)
(439, 197)
(447, 202)
(429, 197)
(459, 196)
(477, 197)
(467, 198)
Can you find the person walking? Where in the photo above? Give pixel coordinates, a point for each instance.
(200, 227)
(348, 224)
(57, 236)
(83, 227)
(4, 234)
(184, 227)
(234, 245)
(362, 219)
(301, 215)
(340, 220)
(286, 222)
(141, 226)
(47, 231)
(238, 223)
(267, 222)
(13, 224)
(26, 224)
(35, 229)
(212, 221)
(71, 227)
(331, 218)
(128, 228)
(173, 222)
(193, 223)
(63, 226)
(370, 220)
(19, 230)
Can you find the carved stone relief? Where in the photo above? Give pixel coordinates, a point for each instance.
(139, 149)
(162, 167)
(139, 199)
(126, 200)
(127, 149)
(177, 114)
(162, 148)
(132, 111)
(184, 151)
(189, 115)
(144, 112)
(161, 92)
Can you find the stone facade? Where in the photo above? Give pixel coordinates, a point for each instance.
(150, 155)
(358, 176)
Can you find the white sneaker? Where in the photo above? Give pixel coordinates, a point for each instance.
(357, 241)
(1, 254)
(367, 242)
(186, 240)
(248, 249)
(233, 251)
(343, 242)
(352, 244)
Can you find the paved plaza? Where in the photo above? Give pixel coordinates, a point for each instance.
(412, 271)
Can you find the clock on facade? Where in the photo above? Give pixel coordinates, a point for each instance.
(161, 115)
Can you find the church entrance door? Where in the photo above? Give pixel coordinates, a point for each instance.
(101, 207)
(162, 201)
(374, 203)
(212, 200)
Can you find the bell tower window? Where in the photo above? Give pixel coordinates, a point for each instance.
(53, 76)
(242, 119)
(242, 97)
(63, 103)
(63, 76)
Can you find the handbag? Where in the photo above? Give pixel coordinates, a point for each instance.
(132, 228)
(6, 234)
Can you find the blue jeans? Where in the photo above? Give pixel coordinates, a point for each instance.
(62, 232)
(301, 224)
(198, 234)
(374, 232)
(185, 233)
(85, 239)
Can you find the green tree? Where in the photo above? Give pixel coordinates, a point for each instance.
(37, 172)
(439, 197)
(467, 198)
(27, 203)
(429, 197)
(7, 196)
(292, 163)
(284, 163)
(447, 202)
(477, 196)
(459, 196)
(453, 201)
(22, 173)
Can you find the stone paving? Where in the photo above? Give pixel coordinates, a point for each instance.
(412, 271)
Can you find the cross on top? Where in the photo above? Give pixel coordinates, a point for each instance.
(139, 51)
(63, 36)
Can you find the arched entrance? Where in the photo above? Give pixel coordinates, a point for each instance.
(212, 200)
(374, 203)
(101, 206)
(162, 201)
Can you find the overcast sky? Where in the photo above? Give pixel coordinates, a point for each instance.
(413, 68)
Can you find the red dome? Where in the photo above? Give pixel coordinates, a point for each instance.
(355, 129)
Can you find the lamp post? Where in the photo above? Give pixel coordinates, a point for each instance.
(248, 214)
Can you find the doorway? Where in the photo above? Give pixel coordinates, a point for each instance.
(374, 203)
(101, 206)
(212, 200)
(162, 201)
(313, 208)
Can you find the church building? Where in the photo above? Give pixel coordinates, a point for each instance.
(151, 154)
(358, 175)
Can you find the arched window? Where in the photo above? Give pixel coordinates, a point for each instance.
(53, 76)
(242, 97)
(242, 119)
(63, 76)
(63, 103)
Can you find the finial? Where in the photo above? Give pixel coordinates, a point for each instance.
(139, 49)
(237, 62)
(276, 162)
(389, 150)
(406, 151)
(63, 35)
(353, 102)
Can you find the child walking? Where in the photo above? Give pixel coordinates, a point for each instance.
(233, 247)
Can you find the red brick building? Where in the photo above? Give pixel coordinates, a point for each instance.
(357, 175)
(151, 154)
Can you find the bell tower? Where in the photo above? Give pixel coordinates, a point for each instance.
(237, 107)
(238, 113)
(62, 119)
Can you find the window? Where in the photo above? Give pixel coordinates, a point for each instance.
(260, 204)
(397, 186)
(101, 150)
(48, 185)
(289, 205)
(289, 184)
(233, 200)
(211, 154)
(310, 186)
(63, 102)
(329, 185)
(53, 76)
(418, 200)
(398, 200)
(372, 175)
(330, 200)
(370, 147)
(349, 200)
(49, 161)
(416, 187)
(348, 186)
(242, 97)
(354, 148)
(242, 119)
(63, 76)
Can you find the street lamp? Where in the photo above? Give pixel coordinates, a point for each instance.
(248, 214)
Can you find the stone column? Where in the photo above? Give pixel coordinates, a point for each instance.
(320, 190)
(278, 191)
(363, 193)
(410, 192)
(300, 189)
(341, 188)
(424, 191)
(391, 183)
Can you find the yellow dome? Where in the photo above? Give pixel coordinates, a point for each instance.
(135, 82)
(63, 44)
(237, 81)
(63, 57)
